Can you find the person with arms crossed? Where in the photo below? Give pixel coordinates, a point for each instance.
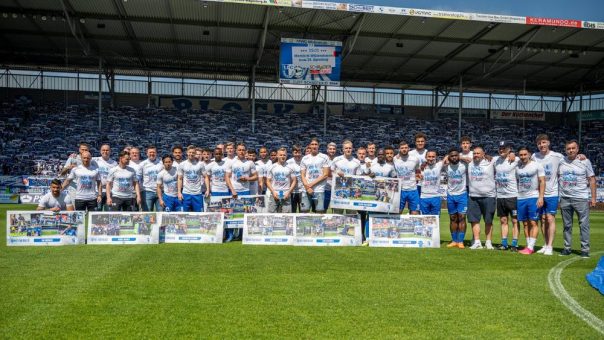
(299, 191)
(280, 181)
(482, 197)
(56, 199)
(167, 186)
(88, 184)
(531, 187)
(507, 195)
(314, 170)
(123, 186)
(577, 181)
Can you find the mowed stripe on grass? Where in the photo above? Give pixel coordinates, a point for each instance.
(261, 291)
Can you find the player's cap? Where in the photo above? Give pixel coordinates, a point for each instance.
(504, 144)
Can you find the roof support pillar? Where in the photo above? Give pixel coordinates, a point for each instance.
(460, 107)
(325, 112)
(100, 91)
(252, 86)
(149, 90)
(580, 113)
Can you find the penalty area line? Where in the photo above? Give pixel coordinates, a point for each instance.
(555, 285)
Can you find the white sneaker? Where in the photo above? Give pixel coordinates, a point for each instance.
(542, 250)
(489, 245)
(476, 245)
(548, 251)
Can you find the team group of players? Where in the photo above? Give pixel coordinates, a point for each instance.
(520, 186)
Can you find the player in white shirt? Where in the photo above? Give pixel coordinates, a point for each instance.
(331, 150)
(191, 175)
(550, 161)
(230, 152)
(365, 162)
(206, 159)
(507, 194)
(56, 199)
(482, 197)
(216, 172)
(407, 169)
(167, 186)
(420, 147)
(576, 182)
(262, 166)
(88, 184)
(73, 161)
(240, 172)
(531, 187)
(273, 156)
(371, 152)
(298, 194)
(250, 155)
(134, 163)
(281, 182)
(123, 185)
(314, 170)
(149, 168)
(104, 164)
(176, 155)
(457, 197)
(381, 167)
(466, 153)
(430, 180)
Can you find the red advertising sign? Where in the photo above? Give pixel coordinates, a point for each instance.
(553, 22)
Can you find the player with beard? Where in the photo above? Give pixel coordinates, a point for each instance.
(299, 192)
(407, 168)
(55, 200)
(457, 198)
(216, 173)
(176, 155)
(530, 177)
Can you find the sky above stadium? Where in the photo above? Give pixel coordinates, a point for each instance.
(564, 9)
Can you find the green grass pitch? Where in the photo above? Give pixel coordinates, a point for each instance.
(236, 291)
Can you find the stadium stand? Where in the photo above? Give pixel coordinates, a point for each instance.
(37, 140)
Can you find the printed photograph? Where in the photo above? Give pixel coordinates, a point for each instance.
(44, 224)
(325, 226)
(188, 224)
(270, 225)
(122, 224)
(364, 189)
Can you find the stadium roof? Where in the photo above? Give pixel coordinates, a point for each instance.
(383, 46)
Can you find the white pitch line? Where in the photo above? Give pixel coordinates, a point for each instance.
(555, 284)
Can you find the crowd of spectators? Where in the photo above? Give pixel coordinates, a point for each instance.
(37, 140)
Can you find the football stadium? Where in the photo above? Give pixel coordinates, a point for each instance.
(298, 169)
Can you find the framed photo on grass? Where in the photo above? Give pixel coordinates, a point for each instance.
(274, 229)
(191, 227)
(327, 230)
(123, 228)
(379, 194)
(411, 231)
(235, 208)
(45, 228)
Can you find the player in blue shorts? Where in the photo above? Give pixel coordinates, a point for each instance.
(407, 169)
(167, 186)
(530, 177)
(457, 198)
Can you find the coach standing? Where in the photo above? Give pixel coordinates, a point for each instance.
(576, 179)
